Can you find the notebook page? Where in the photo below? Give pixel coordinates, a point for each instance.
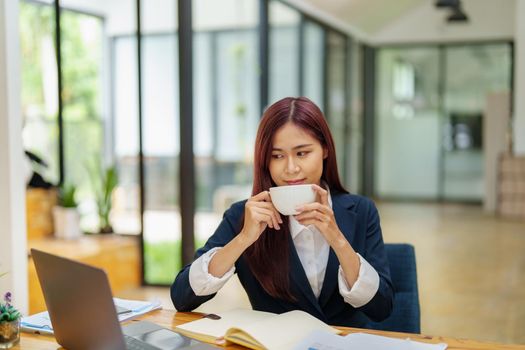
(217, 328)
(286, 330)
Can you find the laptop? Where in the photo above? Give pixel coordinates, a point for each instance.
(81, 308)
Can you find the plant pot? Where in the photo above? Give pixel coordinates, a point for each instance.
(9, 333)
(39, 212)
(67, 222)
(106, 230)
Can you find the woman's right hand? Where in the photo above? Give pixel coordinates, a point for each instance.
(259, 213)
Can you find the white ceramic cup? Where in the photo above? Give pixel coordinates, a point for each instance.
(286, 198)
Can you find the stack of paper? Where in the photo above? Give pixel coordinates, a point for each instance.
(42, 324)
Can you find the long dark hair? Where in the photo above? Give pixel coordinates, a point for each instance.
(268, 257)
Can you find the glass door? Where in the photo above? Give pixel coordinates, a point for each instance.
(472, 73)
(407, 123)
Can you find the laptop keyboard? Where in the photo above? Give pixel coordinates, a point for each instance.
(135, 344)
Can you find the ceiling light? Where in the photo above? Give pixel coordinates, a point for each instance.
(447, 3)
(457, 15)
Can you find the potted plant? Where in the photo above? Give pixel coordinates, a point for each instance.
(9, 323)
(65, 215)
(104, 185)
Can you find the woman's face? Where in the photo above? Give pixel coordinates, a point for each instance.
(297, 157)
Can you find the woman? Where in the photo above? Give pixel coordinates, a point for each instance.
(327, 260)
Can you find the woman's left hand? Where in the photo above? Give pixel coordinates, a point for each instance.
(322, 217)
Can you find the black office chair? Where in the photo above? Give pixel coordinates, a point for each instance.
(405, 315)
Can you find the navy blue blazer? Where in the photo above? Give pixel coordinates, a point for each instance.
(357, 219)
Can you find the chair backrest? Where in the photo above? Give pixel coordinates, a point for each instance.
(405, 315)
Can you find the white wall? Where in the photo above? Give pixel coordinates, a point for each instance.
(326, 17)
(13, 258)
(489, 20)
(495, 128)
(519, 80)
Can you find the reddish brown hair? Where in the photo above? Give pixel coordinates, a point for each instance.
(268, 257)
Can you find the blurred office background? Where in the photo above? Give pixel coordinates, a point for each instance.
(424, 105)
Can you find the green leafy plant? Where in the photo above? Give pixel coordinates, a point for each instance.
(9, 321)
(104, 182)
(8, 313)
(109, 182)
(66, 196)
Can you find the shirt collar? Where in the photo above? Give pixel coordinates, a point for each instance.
(296, 227)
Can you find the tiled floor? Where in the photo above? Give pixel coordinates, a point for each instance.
(471, 270)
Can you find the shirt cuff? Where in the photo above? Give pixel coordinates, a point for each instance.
(363, 289)
(201, 281)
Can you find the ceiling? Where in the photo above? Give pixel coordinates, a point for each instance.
(367, 16)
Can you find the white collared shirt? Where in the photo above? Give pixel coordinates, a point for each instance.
(313, 251)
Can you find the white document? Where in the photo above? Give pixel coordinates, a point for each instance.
(377, 342)
(40, 322)
(319, 340)
(137, 307)
(37, 323)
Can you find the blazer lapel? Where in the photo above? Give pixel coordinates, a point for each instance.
(300, 280)
(346, 220)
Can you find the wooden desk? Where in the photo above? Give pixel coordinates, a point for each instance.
(170, 319)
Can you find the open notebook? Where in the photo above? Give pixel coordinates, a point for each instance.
(255, 329)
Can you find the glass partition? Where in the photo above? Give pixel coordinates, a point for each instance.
(39, 86)
(407, 124)
(429, 141)
(472, 73)
(82, 57)
(161, 140)
(284, 23)
(122, 128)
(313, 55)
(125, 134)
(355, 96)
(226, 107)
(161, 150)
(337, 99)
